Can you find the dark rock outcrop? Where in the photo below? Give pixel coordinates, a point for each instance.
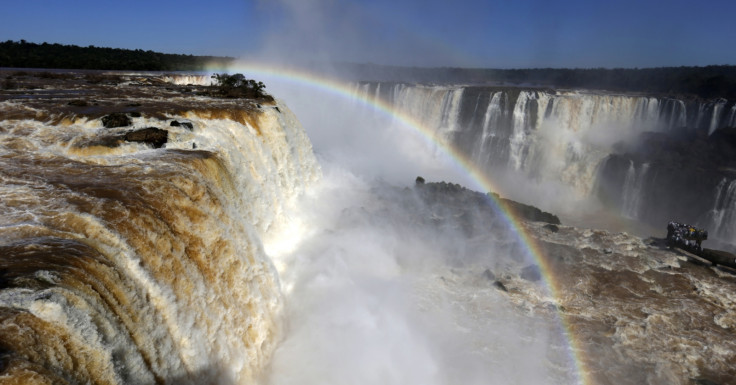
(718, 257)
(529, 212)
(500, 286)
(188, 125)
(116, 119)
(150, 135)
(471, 206)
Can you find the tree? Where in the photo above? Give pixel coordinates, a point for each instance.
(238, 86)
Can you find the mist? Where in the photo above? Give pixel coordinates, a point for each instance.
(379, 286)
(376, 292)
(376, 295)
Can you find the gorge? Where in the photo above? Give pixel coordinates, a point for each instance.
(237, 249)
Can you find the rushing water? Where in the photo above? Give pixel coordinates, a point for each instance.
(138, 265)
(227, 257)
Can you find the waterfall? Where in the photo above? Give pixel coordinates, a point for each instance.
(557, 138)
(633, 190)
(723, 215)
(450, 113)
(200, 80)
(128, 264)
(731, 122)
(492, 120)
(522, 127)
(716, 116)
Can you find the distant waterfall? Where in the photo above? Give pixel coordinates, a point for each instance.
(561, 137)
(723, 215)
(494, 115)
(633, 190)
(556, 135)
(716, 115)
(200, 80)
(731, 121)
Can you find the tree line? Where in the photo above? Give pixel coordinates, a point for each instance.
(22, 54)
(707, 82)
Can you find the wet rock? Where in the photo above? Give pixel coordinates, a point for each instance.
(116, 119)
(551, 227)
(531, 213)
(500, 286)
(134, 114)
(525, 211)
(531, 273)
(719, 257)
(188, 125)
(150, 135)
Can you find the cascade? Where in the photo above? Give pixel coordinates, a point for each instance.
(716, 115)
(731, 122)
(200, 80)
(632, 190)
(723, 214)
(558, 136)
(128, 264)
(492, 120)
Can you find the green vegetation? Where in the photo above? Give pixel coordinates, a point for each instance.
(238, 86)
(23, 54)
(707, 82)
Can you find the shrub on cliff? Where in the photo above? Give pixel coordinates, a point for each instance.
(238, 86)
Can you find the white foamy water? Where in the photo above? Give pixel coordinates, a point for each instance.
(225, 256)
(141, 265)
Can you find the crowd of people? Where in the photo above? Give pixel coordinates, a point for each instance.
(685, 236)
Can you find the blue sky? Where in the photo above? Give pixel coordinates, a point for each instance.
(473, 33)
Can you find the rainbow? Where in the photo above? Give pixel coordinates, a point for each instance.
(513, 221)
